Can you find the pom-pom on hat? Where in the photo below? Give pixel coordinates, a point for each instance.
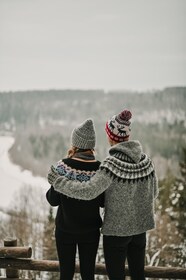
(118, 127)
(84, 136)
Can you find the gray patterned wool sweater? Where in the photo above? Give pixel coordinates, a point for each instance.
(128, 178)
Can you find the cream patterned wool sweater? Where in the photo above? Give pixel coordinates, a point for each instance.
(128, 178)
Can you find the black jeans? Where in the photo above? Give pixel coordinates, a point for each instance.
(87, 248)
(118, 249)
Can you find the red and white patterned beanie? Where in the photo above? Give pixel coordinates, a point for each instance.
(118, 127)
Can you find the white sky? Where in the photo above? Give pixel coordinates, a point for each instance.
(118, 44)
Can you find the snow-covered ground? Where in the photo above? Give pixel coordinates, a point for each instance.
(12, 177)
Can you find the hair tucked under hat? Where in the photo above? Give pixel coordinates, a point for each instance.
(84, 136)
(118, 127)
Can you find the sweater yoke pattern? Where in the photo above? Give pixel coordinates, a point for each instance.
(73, 174)
(128, 170)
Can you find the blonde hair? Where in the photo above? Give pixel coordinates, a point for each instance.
(73, 150)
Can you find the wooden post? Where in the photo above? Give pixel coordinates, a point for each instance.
(11, 272)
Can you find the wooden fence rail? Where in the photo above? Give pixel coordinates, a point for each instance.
(53, 266)
(14, 259)
(15, 252)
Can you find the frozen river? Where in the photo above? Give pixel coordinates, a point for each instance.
(12, 177)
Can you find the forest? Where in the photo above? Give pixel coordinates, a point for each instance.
(41, 123)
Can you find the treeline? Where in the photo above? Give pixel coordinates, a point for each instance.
(30, 107)
(42, 122)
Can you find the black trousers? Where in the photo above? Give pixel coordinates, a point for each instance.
(118, 249)
(67, 245)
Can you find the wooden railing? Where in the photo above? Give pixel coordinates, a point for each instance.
(13, 259)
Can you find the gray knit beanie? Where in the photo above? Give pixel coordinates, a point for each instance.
(84, 136)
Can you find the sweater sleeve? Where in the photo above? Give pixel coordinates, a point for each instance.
(156, 189)
(83, 190)
(53, 197)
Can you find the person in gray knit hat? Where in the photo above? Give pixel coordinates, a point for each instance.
(78, 222)
(128, 178)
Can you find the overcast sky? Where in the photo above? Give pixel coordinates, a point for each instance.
(118, 44)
